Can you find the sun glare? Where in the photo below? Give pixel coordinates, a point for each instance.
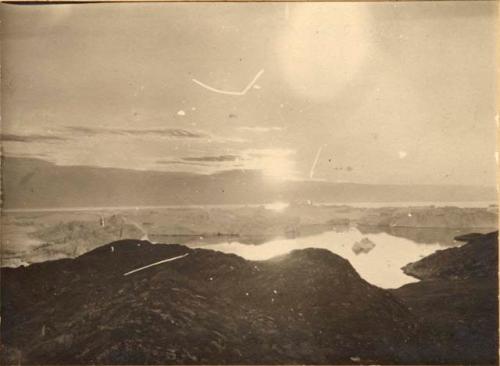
(324, 47)
(277, 206)
(277, 165)
(278, 168)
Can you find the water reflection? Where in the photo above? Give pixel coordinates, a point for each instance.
(442, 236)
(381, 266)
(203, 240)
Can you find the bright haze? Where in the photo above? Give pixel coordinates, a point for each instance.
(372, 93)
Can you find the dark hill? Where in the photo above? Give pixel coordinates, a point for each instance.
(206, 308)
(456, 302)
(476, 259)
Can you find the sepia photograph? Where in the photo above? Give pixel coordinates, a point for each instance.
(249, 183)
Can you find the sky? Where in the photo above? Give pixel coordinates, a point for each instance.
(383, 93)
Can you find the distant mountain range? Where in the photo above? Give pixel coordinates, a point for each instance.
(34, 183)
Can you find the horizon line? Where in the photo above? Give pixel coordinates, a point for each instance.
(252, 205)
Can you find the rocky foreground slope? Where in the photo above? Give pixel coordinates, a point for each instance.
(456, 301)
(309, 306)
(306, 307)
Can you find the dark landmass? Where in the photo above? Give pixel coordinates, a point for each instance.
(456, 302)
(307, 307)
(468, 237)
(207, 308)
(476, 259)
(35, 183)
